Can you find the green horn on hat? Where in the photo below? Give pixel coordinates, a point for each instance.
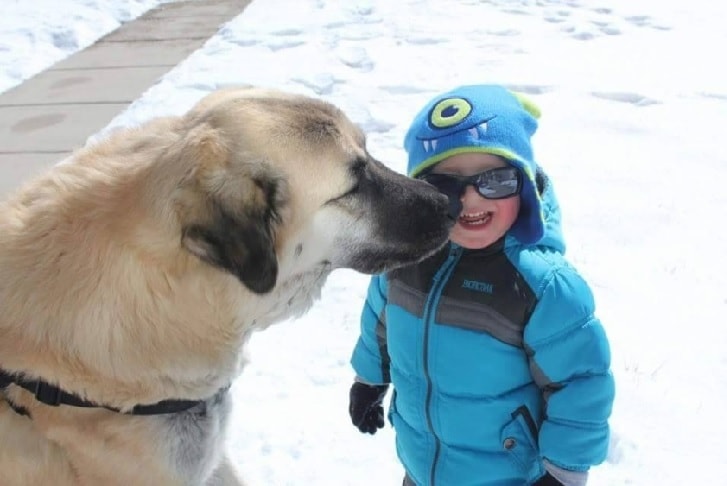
(527, 103)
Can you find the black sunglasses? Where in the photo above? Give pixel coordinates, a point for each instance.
(499, 183)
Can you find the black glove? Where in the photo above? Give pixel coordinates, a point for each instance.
(547, 480)
(365, 407)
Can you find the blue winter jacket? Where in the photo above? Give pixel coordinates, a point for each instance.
(497, 362)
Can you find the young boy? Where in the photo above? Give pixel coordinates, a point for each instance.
(501, 371)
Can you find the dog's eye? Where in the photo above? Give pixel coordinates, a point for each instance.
(350, 192)
(358, 169)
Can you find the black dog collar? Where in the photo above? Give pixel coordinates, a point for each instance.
(51, 395)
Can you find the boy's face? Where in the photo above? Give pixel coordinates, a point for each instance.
(481, 221)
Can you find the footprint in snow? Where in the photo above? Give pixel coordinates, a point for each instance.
(279, 44)
(320, 84)
(65, 39)
(425, 41)
(619, 447)
(287, 32)
(373, 125)
(554, 19)
(401, 89)
(625, 97)
(363, 10)
(531, 89)
(610, 30)
(583, 35)
(638, 20)
(717, 96)
(516, 11)
(356, 58)
(503, 32)
(242, 42)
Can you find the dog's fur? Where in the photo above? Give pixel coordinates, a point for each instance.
(136, 272)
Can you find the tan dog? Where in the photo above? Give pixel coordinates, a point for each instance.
(135, 273)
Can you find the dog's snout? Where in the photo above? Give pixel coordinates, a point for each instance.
(428, 210)
(444, 207)
(450, 206)
(450, 209)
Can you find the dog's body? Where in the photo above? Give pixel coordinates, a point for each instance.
(136, 272)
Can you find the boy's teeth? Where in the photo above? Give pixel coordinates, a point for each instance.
(475, 218)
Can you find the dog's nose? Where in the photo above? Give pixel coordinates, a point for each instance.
(447, 209)
(455, 207)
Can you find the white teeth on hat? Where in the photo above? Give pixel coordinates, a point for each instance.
(429, 143)
(474, 131)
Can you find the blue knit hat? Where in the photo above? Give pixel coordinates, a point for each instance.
(481, 118)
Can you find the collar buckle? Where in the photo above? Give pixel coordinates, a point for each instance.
(47, 393)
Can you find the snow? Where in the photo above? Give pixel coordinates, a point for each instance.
(634, 102)
(36, 34)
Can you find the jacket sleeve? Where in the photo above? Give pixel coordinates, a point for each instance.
(370, 357)
(570, 361)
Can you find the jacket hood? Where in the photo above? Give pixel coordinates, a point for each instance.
(552, 231)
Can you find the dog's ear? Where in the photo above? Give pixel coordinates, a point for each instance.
(241, 243)
(231, 208)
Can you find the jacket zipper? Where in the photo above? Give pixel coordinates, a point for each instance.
(440, 279)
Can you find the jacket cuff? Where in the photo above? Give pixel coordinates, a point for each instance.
(358, 379)
(568, 478)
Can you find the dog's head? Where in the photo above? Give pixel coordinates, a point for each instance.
(276, 184)
(121, 267)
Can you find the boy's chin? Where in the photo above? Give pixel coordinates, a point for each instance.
(473, 239)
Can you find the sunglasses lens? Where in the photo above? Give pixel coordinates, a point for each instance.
(499, 183)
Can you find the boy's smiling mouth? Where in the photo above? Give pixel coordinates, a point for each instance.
(472, 220)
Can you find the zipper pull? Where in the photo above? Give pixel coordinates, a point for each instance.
(454, 250)
(454, 253)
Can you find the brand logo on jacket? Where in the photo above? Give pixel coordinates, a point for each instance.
(484, 287)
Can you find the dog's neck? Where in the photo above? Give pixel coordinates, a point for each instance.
(290, 298)
(49, 394)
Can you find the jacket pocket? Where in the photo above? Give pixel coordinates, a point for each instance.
(519, 439)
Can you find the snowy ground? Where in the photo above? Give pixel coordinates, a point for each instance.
(37, 33)
(634, 102)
